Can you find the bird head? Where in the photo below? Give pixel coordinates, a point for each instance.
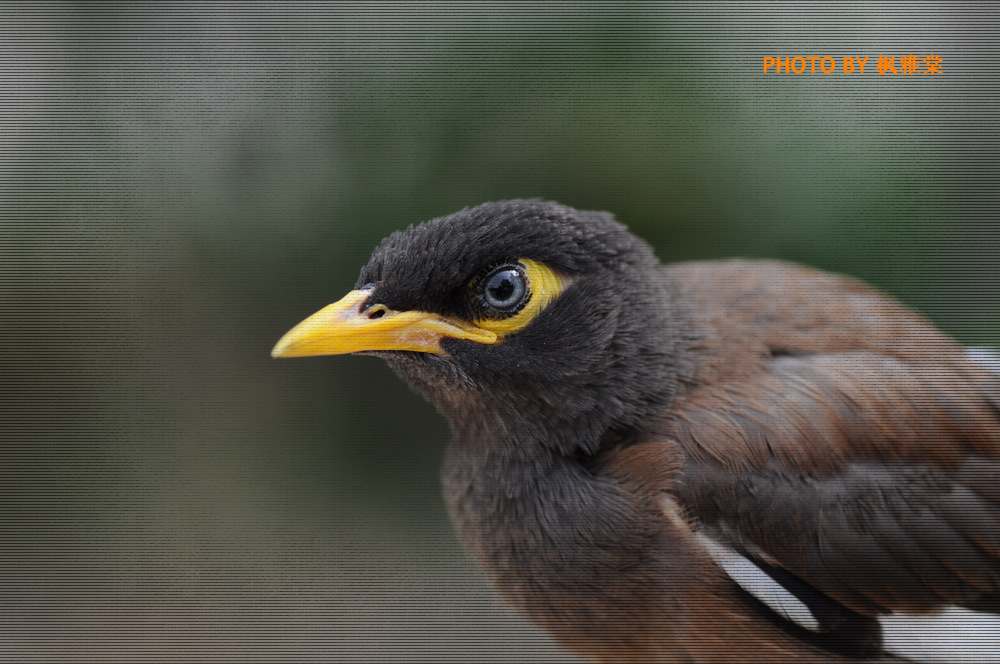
(523, 309)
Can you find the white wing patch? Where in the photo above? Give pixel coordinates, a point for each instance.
(954, 635)
(748, 576)
(987, 358)
(759, 583)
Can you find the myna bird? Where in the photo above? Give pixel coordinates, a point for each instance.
(724, 461)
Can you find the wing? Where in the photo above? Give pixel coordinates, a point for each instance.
(850, 485)
(835, 455)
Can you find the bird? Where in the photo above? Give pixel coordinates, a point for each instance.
(737, 460)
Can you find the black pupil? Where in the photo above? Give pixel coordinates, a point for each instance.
(505, 288)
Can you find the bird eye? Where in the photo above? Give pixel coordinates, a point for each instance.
(509, 295)
(505, 289)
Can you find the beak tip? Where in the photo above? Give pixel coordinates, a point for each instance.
(280, 349)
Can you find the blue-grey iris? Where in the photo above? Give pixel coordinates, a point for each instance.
(505, 288)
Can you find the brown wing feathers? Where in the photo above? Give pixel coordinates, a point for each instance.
(859, 464)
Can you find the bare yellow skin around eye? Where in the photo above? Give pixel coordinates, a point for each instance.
(544, 285)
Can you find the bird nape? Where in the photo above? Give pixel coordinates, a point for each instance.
(724, 461)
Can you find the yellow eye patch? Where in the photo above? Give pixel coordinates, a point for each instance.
(543, 286)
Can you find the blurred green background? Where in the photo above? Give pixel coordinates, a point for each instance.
(180, 184)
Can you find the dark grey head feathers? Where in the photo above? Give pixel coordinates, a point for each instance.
(586, 360)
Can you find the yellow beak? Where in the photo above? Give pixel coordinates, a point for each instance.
(343, 327)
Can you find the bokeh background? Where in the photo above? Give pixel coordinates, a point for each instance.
(180, 184)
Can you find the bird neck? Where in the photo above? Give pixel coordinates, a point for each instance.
(518, 478)
(530, 515)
